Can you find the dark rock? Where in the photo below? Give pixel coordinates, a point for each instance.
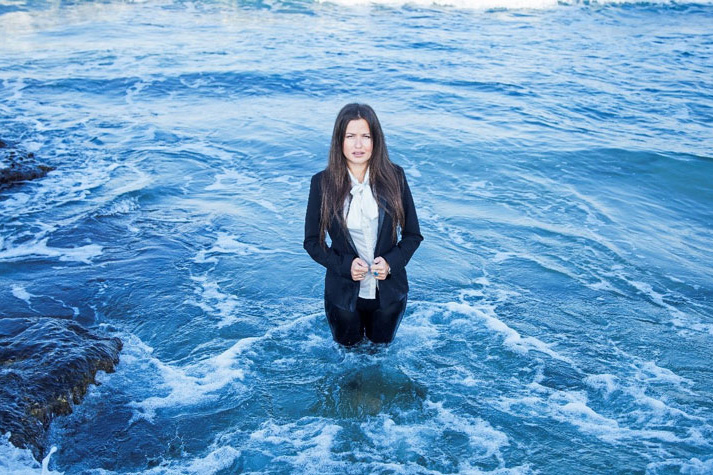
(46, 366)
(17, 166)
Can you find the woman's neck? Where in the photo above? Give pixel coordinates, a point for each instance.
(358, 171)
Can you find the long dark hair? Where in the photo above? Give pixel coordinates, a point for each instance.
(383, 176)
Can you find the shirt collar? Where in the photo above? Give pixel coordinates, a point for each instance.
(354, 180)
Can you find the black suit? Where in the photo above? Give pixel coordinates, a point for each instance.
(339, 288)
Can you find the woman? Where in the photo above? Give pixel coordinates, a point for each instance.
(362, 200)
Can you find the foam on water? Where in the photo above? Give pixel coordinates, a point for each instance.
(200, 381)
(21, 461)
(231, 181)
(220, 459)
(305, 444)
(58, 188)
(21, 293)
(229, 244)
(395, 439)
(212, 300)
(122, 206)
(513, 340)
(195, 384)
(573, 407)
(694, 466)
(40, 249)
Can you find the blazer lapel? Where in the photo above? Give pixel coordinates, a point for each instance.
(382, 206)
(349, 239)
(351, 243)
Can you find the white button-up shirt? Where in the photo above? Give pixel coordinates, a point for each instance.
(362, 215)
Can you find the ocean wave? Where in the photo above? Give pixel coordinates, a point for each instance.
(182, 386)
(513, 340)
(21, 462)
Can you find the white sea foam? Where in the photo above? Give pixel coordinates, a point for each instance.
(564, 406)
(397, 439)
(649, 291)
(123, 206)
(305, 444)
(686, 322)
(21, 462)
(416, 329)
(228, 244)
(57, 188)
(231, 180)
(18, 291)
(135, 181)
(650, 371)
(513, 340)
(212, 300)
(194, 384)
(237, 183)
(219, 459)
(201, 381)
(572, 407)
(40, 249)
(637, 387)
(694, 466)
(607, 383)
(183, 386)
(46, 461)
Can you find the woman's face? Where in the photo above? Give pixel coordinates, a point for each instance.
(357, 145)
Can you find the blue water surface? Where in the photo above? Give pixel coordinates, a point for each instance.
(560, 318)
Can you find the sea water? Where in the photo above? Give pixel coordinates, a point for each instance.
(560, 318)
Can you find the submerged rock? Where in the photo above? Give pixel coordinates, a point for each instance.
(17, 166)
(46, 366)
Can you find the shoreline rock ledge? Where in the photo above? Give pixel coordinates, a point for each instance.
(18, 166)
(46, 366)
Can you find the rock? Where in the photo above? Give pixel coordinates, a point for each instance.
(46, 366)
(17, 166)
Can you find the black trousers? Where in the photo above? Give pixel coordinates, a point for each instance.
(377, 324)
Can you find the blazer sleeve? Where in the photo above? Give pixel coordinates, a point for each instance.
(399, 255)
(323, 254)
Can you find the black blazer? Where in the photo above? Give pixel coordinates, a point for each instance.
(339, 288)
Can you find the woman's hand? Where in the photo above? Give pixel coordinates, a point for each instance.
(380, 268)
(359, 269)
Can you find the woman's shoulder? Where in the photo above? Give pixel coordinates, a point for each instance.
(316, 181)
(317, 176)
(400, 173)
